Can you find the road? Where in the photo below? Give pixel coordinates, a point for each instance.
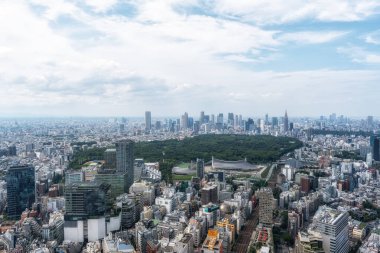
(270, 172)
(244, 238)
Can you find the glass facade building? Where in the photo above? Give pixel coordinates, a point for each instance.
(21, 190)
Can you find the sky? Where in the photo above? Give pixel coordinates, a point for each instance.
(123, 57)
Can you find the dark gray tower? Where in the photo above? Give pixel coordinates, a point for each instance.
(21, 188)
(200, 168)
(148, 121)
(202, 117)
(125, 160)
(286, 122)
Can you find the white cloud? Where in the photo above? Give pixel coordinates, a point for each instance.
(63, 59)
(360, 55)
(278, 12)
(101, 5)
(312, 37)
(373, 38)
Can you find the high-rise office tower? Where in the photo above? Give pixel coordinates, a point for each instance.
(125, 160)
(274, 122)
(220, 119)
(110, 158)
(20, 189)
(370, 120)
(231, 118)
(196, 126)
(249, 124)
(265, 196)
(184, 121)
(212, 120)
(375, 145)
(286, 122)
(190, 122)
(200, 168)
(202, 117)
(333, 227)
(148, 121)
(261, 125)
(266, 119)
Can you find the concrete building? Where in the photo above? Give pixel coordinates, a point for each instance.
(209, 193)
(212, 243)
(54, 231)
(265, 196)
(309, 243)
(139, 166)
(333, 227)
(72, 177)
(185, 244)
(130, 210)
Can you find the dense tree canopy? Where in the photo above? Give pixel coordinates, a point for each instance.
(227, 147)
(256, 149)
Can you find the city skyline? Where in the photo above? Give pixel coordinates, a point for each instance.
(112, 58)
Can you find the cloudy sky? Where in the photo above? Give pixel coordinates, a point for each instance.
(113, 58)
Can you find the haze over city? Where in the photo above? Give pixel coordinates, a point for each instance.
(116, 58)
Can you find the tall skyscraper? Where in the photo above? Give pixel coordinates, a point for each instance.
(125, 160)
(375, 145)
(20, 189)
(265, 196)
(184, 121)
(148, 121)
(286, 122)
(220, 119)
(110, 158)
(200, 168)
(212, 120)
(202, 117)
(274, 122)
(231, 118)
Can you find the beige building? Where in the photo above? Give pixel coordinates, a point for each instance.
(265, 196)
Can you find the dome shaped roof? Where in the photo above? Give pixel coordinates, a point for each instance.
(225, 208)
